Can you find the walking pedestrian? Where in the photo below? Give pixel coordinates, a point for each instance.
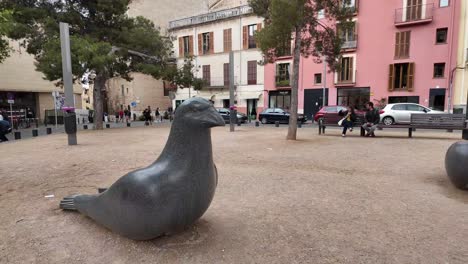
(121, 115)
(348, 120)
(157, 114)
(372, 120)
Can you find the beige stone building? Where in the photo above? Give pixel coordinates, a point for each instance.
(20, 81)
(461, 74)
(144, 90)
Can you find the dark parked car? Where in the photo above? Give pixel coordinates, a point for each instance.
(333, 109)
(225, 113)
(271, 115)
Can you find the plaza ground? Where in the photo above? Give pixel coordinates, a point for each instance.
(321, 199)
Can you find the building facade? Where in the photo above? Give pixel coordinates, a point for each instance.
(21, 82)
(210, 38)
(461, 73)
(398, 51)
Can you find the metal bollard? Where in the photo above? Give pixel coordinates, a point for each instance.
(17, 135)
(277, 124)
(465, 134)
(299, 124)
(239, 123)
(35, 132)
(129, 124)
(85, 127)
(257, 124)
(107, 125)
(49, 130)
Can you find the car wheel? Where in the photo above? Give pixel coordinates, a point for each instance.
(264, 121)
(388, 121)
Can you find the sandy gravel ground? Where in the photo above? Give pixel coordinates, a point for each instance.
(322, 199)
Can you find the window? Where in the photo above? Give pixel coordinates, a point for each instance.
(127, 90)
(441, 35)
(439, 70)
(401, 76)
(123, 89)
(207, 74)
(350, 4)
(252, 43)
(348, 35)
(403, 99)
(400, 107)
(206, 43)
(252, 72)
(285, 49)
(444, 3)
(226, 75)
(357, 97)
(345, 74)
(321, 14)
(282, 75)
(248, 39)
(414, 10)
(402, 44)
(227, 40)
(415, 108)
(185, 46)
(318, 78)
(280, 99)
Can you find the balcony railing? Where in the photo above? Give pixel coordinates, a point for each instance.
(414, 14)
(219, 83)
(350, 43)
(350, 81)
(283, 81)
(210, 17)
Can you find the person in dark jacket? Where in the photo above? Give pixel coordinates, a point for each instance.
(372, 120)
(5, 128)
(349, 119)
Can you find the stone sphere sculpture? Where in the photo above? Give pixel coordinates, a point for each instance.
(456, 164)
(170, 194)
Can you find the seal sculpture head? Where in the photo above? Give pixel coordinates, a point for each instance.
(170, 194)
(198, 112)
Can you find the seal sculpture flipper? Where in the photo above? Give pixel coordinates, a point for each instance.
(170, 194)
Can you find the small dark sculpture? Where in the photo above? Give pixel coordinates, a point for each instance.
(169, 195)
(456, 164)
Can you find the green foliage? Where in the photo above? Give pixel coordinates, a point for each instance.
(283, 17)
(283, 83)
(184, 77)
(102, 36)
(5, 28)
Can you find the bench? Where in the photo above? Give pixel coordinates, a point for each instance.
(418, 121)
(448, 122)
(331, 120)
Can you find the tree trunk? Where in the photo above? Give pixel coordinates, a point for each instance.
(292, 131)
(99, 86)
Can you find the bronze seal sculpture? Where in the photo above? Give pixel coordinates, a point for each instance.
(170, 194)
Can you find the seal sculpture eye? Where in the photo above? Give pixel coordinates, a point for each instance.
(162, 198)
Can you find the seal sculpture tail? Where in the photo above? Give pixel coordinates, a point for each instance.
(68, 203)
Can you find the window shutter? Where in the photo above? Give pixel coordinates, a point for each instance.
(351, 69)
(211, 43)
(181, 47)
(259, 27)
(397, 45)
(191, 45)
(391, 78)
(245, 37)
(410, 82)
(200, 44)
(407, 43)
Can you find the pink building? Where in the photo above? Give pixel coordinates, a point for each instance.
(399, 50)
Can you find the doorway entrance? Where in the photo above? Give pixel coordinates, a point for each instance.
(437, 99)
(313, 101)
(252, 109)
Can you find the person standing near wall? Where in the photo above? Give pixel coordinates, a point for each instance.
(157, 114)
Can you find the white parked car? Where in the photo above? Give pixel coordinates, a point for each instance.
(401, 113)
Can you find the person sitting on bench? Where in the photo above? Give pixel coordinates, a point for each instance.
(372, 120)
